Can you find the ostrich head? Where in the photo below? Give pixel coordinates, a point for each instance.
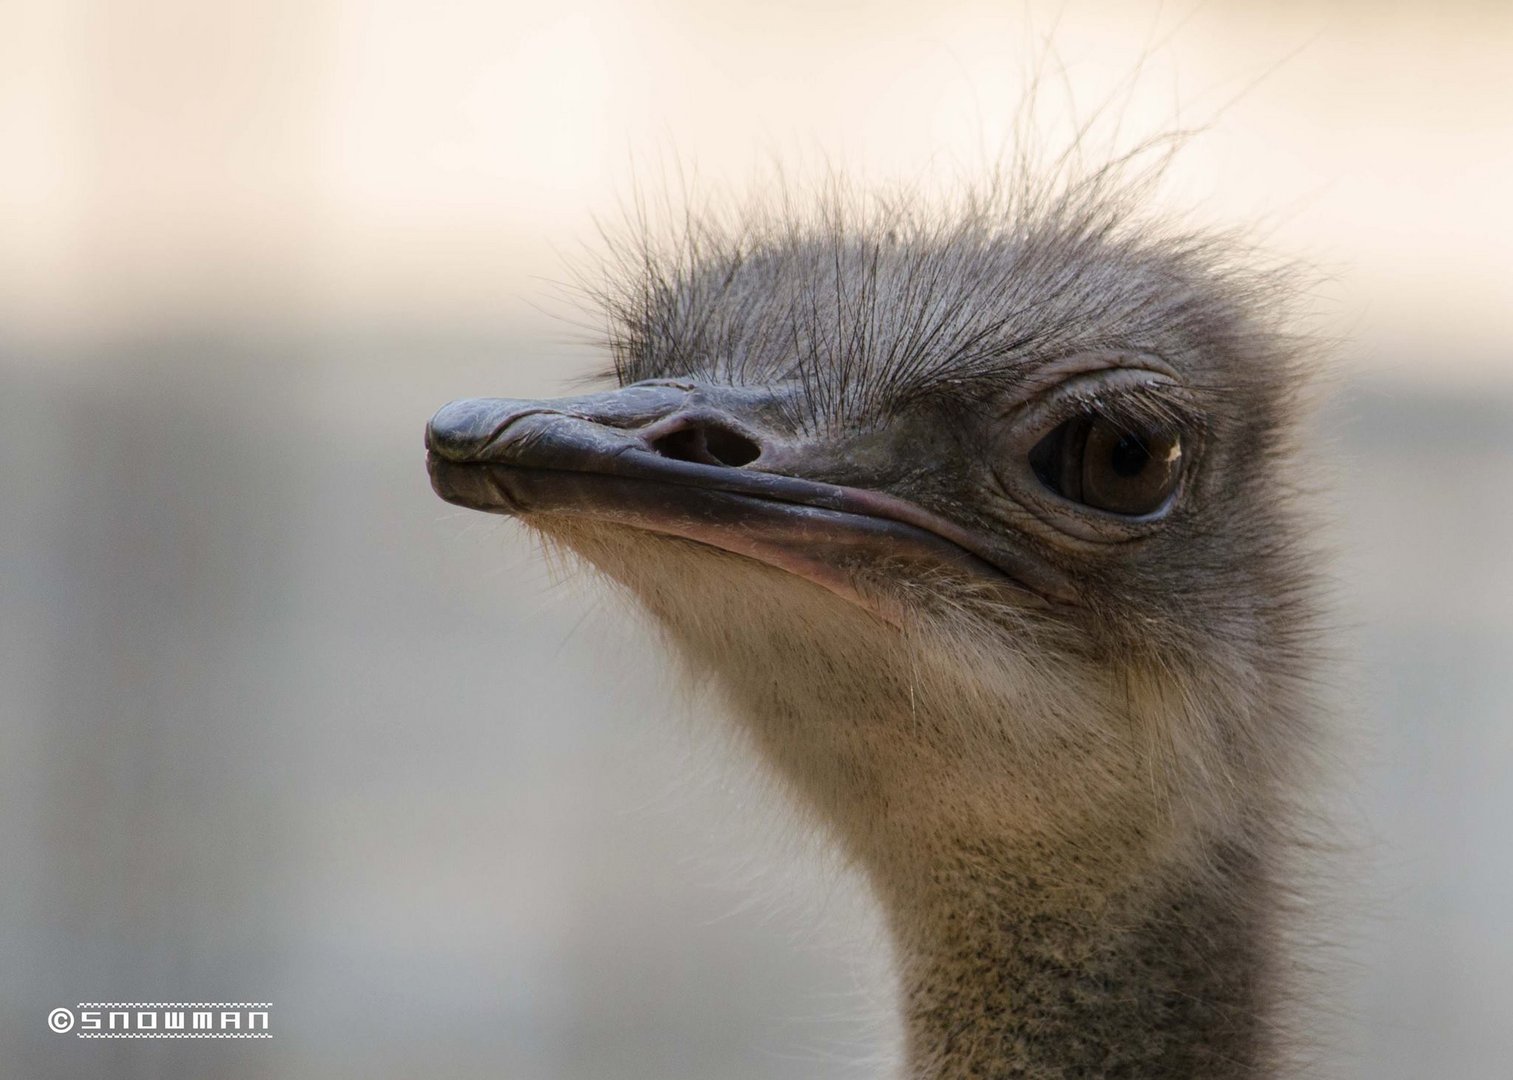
(980, 521)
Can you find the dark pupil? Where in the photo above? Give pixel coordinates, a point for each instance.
(1129, 457)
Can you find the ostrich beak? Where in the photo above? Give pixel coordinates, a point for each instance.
(692, 462)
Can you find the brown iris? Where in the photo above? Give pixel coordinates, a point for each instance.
(1115, 466)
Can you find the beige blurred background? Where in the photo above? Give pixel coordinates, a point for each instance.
(275, 724)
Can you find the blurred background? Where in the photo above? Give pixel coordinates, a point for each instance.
(276, 724)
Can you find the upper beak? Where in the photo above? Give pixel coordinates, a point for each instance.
(693, 462)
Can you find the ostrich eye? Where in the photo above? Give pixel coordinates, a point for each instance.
(1120, 468)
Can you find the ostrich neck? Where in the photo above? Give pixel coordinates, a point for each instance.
(1002, 979)
(1066, 901)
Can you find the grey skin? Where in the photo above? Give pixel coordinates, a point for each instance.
(984, 529)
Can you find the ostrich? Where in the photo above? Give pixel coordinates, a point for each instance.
(982, 522)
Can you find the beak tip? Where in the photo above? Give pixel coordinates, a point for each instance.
(460, 428)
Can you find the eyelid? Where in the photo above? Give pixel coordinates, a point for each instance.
(1135, 412)
(1128, 395)
(1069, 369)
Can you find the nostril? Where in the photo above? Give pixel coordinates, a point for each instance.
(708, 444)
(730, 447)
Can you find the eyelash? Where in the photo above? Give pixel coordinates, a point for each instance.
(1133, 408)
